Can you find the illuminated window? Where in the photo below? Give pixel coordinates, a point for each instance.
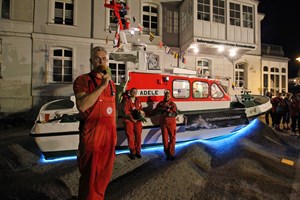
(61, 65)
(203, 11)
(181, 89)
(150, 19)
(200, 89)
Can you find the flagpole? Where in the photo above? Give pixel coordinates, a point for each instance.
(179, 55)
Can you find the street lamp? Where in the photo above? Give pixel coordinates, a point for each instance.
(298, 59)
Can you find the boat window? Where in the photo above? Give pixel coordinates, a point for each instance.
(181, 89)
(200, 89)
(216, 92)
(62, 104)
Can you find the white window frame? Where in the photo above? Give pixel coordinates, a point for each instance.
(266, 73)
(63, 59)
(275, 83)
(147, 30)
(51, 15)
(109, 12)
(248, 16)
(116, 73)
(201, 69)
(240, 83)
(235, 14)
(203, 14)
(218, 17)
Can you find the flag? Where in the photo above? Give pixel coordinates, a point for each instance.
(167, 49)
(175, 54)
(184, 60)
(161, 44)
(151, 36)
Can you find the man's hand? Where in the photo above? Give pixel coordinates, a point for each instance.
(105, 80)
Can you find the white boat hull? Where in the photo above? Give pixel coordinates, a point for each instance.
(58, 141)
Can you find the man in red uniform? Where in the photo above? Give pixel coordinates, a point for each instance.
(95, 101)
(133, 124)
(168, 111)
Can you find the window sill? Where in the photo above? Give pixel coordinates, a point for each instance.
(61, 25)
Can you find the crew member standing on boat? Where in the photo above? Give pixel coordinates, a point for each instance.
(133, 115)
(168, 112)
(95, 101)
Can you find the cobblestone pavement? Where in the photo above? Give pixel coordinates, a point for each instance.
(255, 163)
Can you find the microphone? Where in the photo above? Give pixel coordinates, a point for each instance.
(110, 85)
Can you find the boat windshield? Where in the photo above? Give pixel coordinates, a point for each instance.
(61, 104)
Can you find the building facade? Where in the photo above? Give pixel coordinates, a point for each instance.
(45, 45)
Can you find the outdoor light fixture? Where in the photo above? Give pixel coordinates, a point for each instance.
(232, 52)
(298, 59)
(220, 48)
(196, 50)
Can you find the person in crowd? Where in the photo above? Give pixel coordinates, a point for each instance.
(294, 112)
(168, 112)
(95, 100)
(286, 113)
(132, 120)
(278, 107)
(269, 112)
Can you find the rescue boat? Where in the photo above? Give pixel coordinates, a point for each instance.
(205, 111)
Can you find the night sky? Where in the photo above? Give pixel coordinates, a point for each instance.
(281, 26)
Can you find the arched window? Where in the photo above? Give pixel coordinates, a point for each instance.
(61, 65)
(274, 79)
(150, 19)
(266, 69)
(283, 70)
(240, 75)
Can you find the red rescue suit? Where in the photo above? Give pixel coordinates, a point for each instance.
(133, 129)
(168, 110)
(98, 139)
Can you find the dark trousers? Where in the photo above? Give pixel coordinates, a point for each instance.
(294, 122)
(267, 117)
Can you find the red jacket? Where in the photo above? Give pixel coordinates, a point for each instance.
(130, 106)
